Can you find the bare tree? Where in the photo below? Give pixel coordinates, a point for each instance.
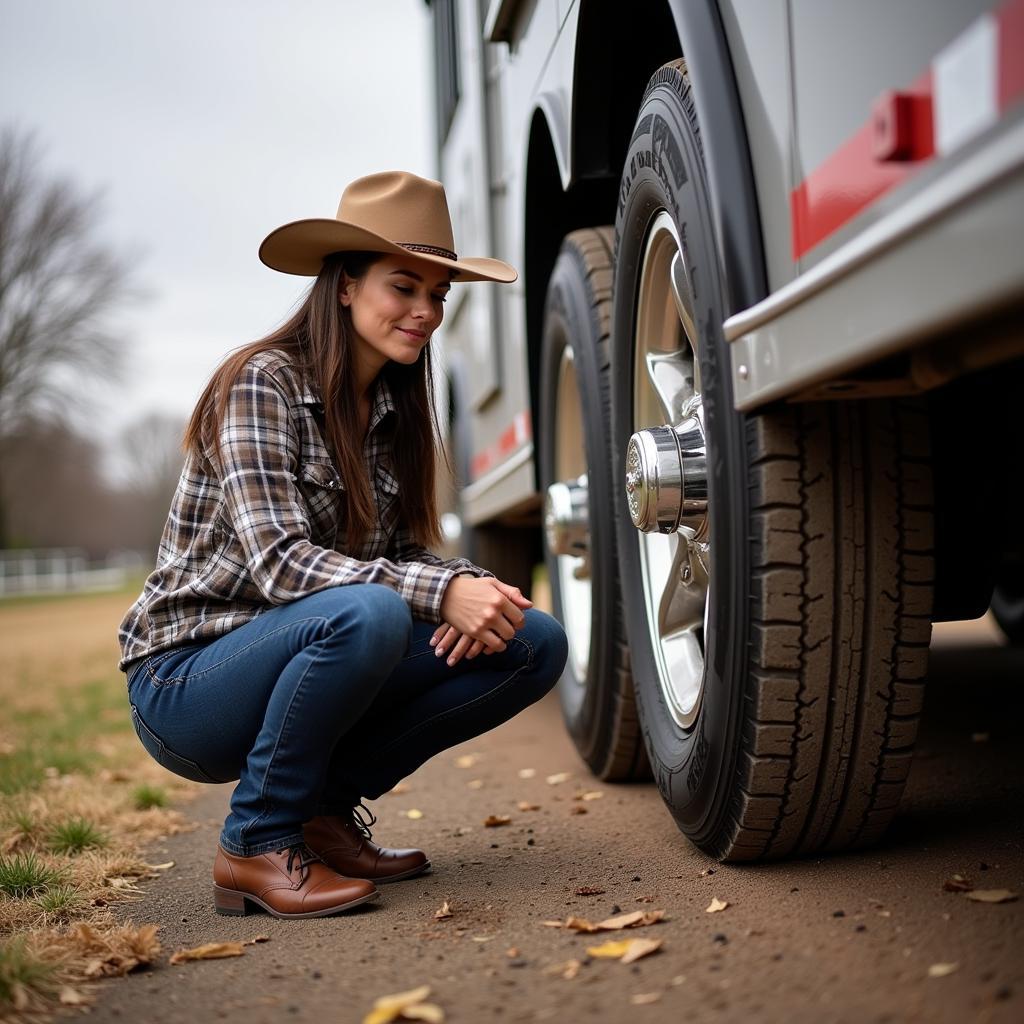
(58, 286)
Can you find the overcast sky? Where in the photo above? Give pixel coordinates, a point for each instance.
(207, 123)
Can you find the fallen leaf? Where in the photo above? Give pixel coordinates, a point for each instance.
(466, 760)
(72, 997)
(645, 998)
(256, 940)
(941, 970)
(591, 794)
(413, 813)
(716, 905)
(443, 912)
(589, 890)
(991, 895)
(625, 950)
(482, 938)
(639, 948)
(475, 783)
(568, 970)
(405, 1006)
(558, 778)
(527, 773)
(161, 867)
(398, 788)
(525, 805)
(553, 924)
(634, 919)
(496, 820)
(208, 951)
(958, 883)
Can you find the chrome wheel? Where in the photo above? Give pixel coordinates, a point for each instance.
(566, 517)
(666, 471)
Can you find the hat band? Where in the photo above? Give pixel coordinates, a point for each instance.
(433, 250)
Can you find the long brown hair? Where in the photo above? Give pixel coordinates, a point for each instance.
(318, 338)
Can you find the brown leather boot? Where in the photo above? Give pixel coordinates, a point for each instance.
(293, 882)
(344, 843)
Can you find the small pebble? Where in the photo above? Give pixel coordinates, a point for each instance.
(720, 938)
(839, 913)
(861, 928)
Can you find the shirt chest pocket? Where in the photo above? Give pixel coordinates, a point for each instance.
(322, 488)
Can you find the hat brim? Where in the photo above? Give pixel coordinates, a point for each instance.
(301, 247)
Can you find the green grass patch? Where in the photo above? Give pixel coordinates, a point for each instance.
(23, 875)
(64, 740)
(75, 835)
(21, 971)
(60, 900)
(146, 797)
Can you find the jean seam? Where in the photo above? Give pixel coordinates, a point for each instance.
(242, 650)
(260, 848)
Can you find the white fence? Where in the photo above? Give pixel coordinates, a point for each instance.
(63, 571)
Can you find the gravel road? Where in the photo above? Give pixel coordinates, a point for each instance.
(849, 938)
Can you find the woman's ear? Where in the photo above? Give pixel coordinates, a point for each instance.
(345, 290)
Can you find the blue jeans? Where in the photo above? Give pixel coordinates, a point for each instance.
(317, 704)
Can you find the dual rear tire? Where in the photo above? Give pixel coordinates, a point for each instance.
(777, 629)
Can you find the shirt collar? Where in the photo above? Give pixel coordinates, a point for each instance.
(382, 403)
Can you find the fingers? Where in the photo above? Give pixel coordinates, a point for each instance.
(444, 637)
(514, 594)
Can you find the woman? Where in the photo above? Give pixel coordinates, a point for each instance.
(297, 634)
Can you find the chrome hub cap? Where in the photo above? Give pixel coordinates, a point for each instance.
(666, 471)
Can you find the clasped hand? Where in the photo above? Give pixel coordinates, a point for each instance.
(478, 614)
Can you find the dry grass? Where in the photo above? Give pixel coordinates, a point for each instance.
(79, 801)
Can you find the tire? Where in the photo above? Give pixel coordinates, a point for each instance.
(779, 686)
(1008, 603)
(596, 689)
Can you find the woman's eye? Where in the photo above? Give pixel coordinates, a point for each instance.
(440, 298)
(403, 289)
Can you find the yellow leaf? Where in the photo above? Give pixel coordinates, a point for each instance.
(413, 813)
(443, 912)
(639, 948)
(388, 1008)
(592, 794)
(208, 951)
(72, 997)
(475, 783)
(991, 896)
(611, 950)
(941, 970)
(466, 760)
(613, 924)
(525, 805)
(424, 1011)
(527, 773)
(558, 778)
(716, 905)
(495, 820)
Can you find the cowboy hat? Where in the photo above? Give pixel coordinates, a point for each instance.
(389, 212)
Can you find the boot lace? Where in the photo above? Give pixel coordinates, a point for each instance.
(363, 818)
(303, 854)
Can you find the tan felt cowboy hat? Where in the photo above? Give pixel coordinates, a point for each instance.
(389, 212)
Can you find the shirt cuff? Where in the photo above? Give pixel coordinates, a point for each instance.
(423, 588)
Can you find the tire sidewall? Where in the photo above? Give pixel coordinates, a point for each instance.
(569, 321)
(663, 170)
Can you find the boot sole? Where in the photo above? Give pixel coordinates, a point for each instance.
(231, 903)
(412, 873)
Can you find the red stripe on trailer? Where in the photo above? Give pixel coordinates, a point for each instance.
(512, 438)
(898, 140)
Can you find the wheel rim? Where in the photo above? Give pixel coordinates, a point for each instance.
(566, 517)
(676, 564)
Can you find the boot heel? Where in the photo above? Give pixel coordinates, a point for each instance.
(231, 904)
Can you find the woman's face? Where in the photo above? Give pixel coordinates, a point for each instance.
(395, 307)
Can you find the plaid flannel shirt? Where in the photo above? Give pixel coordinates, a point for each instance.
(258, 526)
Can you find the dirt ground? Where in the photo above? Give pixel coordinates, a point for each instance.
(849, 938)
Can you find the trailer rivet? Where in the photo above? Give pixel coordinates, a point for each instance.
(743, 371)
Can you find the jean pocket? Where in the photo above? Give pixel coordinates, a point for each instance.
(164, 756)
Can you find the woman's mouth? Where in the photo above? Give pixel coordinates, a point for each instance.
(416, 335)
